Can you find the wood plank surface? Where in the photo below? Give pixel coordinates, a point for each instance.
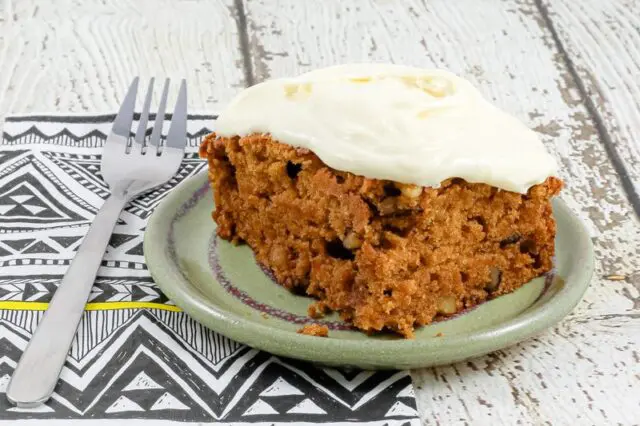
(602, 41)
(583, 370)
(75, 56)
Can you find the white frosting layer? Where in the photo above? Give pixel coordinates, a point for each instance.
(394, 122)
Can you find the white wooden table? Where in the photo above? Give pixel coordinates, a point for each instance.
(570, 69)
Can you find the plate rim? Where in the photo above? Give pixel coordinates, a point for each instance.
(403, 353)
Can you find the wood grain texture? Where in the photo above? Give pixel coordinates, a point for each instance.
(602, 40)
(80, 56)
(582, 371)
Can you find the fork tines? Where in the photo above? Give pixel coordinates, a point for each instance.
(138, 142)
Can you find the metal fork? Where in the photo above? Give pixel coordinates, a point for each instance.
(130, 167)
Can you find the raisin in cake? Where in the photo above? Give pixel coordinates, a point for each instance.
(392, 194)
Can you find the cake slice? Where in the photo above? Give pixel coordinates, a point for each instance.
(393, 195)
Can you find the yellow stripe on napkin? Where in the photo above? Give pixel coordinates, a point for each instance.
(99, 306)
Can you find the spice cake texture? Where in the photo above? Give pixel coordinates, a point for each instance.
(393, 195)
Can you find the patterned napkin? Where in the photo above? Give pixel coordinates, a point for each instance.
(137, 356)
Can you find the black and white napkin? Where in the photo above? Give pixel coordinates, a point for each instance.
(137, 358)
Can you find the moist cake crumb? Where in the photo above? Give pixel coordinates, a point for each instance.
(318, 310)
(315, 330)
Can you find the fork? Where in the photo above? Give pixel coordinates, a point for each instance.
(130, 167)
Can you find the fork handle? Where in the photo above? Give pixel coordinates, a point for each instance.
(39, 367)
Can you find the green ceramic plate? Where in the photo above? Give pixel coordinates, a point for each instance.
(222, 287)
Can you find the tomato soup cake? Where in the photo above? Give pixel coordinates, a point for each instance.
(391, 194)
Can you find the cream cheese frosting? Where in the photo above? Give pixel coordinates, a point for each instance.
(384, 121)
